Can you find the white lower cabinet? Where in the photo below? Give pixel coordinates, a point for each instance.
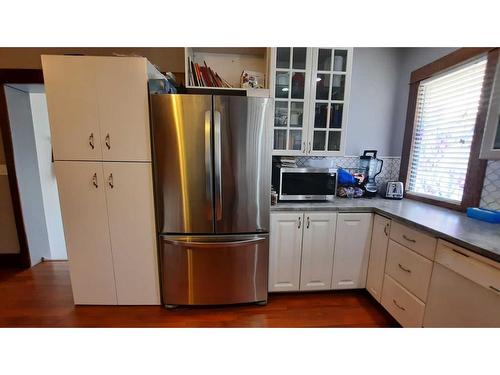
(407, 309)
(317, 250)
(108, 217)
(352, 250)
(85, 220)
(378, 253)
(132, 231)
(285, 251)
(304, 247)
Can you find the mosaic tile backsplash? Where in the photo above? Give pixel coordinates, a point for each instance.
(490, 197)
(390, 169)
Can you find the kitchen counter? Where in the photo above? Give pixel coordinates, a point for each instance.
(478, 236)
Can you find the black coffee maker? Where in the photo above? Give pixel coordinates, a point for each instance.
(371, 167)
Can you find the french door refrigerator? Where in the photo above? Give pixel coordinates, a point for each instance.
(212, 159)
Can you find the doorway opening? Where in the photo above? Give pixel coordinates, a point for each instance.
(34, 171)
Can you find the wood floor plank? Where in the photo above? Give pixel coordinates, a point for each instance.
(41, 297)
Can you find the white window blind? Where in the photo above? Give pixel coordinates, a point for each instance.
(445, 117)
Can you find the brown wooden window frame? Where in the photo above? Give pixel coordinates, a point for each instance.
(476, 168)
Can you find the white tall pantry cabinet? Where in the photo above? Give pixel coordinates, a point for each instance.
(98, 112)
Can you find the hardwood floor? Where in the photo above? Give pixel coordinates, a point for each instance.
(41, 297)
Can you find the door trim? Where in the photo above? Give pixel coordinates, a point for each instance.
(15, 76)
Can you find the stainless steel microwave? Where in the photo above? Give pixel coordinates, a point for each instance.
(307, 184)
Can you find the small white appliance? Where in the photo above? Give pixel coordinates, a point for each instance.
(393, 190)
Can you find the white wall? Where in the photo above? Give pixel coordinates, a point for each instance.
(28, 177)
(379, 96)
(48, 180)
(410, 60)
(374, 88)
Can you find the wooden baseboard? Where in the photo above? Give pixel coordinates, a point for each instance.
(10, 260)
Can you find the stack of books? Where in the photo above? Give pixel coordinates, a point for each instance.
(288, 162)
(204, 76)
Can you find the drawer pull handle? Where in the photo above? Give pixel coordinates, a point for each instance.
(403, 268)
(495, 289)
(459, 252)
(399, 307)
(408, 238)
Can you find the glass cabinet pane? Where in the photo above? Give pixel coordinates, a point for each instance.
(319, 140)
(298, 82)
(280, 113)
(340, 60)
(279, 139)
(282, 84)
(336, 115)
(295, 140)
(324, 59)
(322, 86)
(283, 57)
(299, 58)
(338, 84)
(320, 115)
(296, 114)
(334, 141)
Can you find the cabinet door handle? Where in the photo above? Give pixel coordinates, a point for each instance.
(305, 147)
(94, 180)
(408, 238)
(459, 252)
(403, 268)
(310, 148)
(398, 306)
(385, 230)
(299, 224)
(91, 140)
(308, 222)
(494, 289)
(107, 140)
(110, 181)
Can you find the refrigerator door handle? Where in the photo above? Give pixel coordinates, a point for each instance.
(218, 165)
(208, 155)
(211, 244)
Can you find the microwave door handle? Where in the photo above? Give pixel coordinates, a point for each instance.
(218, 165)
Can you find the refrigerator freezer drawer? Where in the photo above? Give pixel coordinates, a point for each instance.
(209, 270)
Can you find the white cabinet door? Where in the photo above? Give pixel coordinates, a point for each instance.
(378, 253)
(289, 83)
(352, 250)
(129, 195)
(285, 251)
(83, 207)
(317, 250)
(122, 93)
(72, 107)
(330, 87)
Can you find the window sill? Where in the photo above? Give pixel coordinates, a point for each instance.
(436, 202)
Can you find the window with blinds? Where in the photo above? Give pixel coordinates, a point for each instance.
(445, 118)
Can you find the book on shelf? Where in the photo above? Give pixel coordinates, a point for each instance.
(205, 76)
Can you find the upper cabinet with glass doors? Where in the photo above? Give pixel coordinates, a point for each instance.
(311, 91)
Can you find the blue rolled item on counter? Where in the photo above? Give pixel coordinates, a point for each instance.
(344, 178)
(490, 216)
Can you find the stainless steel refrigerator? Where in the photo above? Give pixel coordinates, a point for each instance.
(212, 161)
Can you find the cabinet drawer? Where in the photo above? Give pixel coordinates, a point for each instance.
(470, 265)
(407, 309)
(420, 242)
(411, 270)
